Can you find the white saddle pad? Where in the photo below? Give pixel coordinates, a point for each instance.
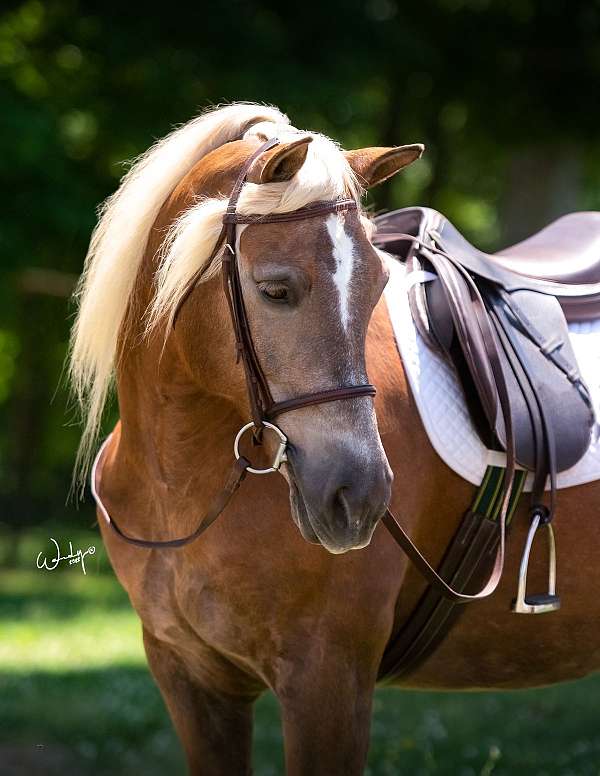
(441, 403)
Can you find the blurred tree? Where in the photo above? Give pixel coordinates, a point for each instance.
(502, 93)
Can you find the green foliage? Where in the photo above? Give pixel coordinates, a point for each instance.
(85, 86)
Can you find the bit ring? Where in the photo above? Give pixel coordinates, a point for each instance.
(280, 455)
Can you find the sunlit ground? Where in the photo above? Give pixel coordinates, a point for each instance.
(76, 697)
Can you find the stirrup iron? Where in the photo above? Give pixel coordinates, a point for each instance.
(543, 602)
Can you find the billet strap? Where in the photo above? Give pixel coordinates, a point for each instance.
(236, 476)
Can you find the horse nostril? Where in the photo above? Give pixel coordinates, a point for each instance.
(341, 512)
(355, 508)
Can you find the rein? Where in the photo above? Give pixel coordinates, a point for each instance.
(264, 409)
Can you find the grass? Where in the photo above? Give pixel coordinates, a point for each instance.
(76, 697)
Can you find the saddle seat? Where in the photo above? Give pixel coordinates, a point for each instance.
(567, 251)
(562, 260)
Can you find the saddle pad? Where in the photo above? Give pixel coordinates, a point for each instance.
(439, 398)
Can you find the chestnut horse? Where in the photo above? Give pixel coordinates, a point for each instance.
(269, 597)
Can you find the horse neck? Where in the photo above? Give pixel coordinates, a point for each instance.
(178, 395)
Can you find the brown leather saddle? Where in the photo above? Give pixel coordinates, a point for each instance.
(529, 291)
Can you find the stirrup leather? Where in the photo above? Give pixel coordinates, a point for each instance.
(543, 602)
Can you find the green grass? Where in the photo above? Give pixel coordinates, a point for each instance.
(76, 697)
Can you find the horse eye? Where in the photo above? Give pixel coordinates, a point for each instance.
(275, 292)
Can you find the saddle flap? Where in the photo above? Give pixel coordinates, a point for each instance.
(548, 397)
(544, 399)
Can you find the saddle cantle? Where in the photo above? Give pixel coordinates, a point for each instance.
(529, 293)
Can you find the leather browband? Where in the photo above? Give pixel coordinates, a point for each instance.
(310, 211)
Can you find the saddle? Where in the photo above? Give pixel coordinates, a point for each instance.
(501, 320)
(529, 292)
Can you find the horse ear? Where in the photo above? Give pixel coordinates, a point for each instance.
(280, 163)
(374, 165)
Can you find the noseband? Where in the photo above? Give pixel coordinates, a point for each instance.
(262, 405)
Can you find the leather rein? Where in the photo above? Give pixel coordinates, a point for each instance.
(264, 409)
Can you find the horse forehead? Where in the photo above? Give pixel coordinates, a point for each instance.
(294, 241)
(317, 244)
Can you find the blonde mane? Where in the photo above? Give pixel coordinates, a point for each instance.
(126, 218)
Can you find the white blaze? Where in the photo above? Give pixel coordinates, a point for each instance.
(343, 253)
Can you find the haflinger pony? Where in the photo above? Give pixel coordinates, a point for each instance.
(269, 596)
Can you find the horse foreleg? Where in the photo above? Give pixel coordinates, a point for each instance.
(214, 727)
(326, 713)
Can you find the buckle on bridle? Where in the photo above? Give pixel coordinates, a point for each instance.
(280, 455)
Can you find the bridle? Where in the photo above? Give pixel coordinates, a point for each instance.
(263, 408)
(262, 405)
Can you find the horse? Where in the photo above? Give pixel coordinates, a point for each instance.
(271, 597)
